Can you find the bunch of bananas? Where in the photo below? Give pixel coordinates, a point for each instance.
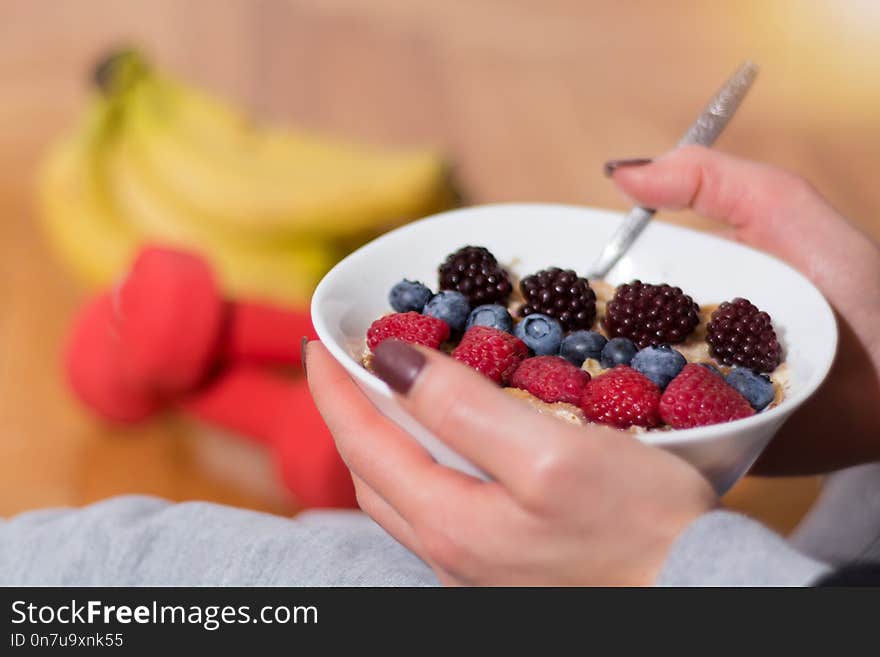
(156, 160)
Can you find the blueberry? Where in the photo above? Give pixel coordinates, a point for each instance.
(712, 368)
(661, 364)
(756, 388)
(450, 306)
(618, 351)
(577, 346)
(409, 296)
(490, 314)
(541, 333)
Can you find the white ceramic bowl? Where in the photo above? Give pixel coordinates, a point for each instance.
(536, 236)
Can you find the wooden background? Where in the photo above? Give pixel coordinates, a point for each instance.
(528, 98)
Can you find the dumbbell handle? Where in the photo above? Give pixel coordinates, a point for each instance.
(264, 334)
(279, 412)
(246, 400)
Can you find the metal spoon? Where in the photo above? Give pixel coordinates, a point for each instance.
(705, 131)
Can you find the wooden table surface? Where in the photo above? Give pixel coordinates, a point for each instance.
(528, 98)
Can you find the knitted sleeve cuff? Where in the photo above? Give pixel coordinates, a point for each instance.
(722, 548)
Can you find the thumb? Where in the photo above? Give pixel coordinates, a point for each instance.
(768, 208)
(715, 185)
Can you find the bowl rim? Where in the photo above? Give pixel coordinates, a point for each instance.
(660, 438)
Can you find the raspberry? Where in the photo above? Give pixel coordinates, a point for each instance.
(651, 314)
(411, 327)
(474, 271)
(622, 398)
(739, 333)
(561, 294)
(494, 353)
(698, 397)
(551, 379)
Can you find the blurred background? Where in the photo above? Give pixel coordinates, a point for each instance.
(524, 99)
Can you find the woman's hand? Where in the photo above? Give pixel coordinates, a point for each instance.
(568, 505)
(782, 214)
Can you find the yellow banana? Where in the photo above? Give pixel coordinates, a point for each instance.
(82, 224)
(286, 271)
(272, 182)
(76, 212)
(273, 210)
(87, 215)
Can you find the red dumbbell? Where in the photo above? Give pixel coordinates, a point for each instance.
(174, 326)
(161, 337)
(270, 408)
(92, 363)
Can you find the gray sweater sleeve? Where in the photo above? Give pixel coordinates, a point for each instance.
(145, 541)
(844, 525)
(723, 548)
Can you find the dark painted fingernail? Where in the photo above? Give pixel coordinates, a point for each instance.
(303, 345)
(613, 165)
(398, 364)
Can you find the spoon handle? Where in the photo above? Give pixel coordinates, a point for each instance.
(705, 131)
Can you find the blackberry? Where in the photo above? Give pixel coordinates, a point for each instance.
(474, 271)
(651, 315)
(561, 294)
(739, 333)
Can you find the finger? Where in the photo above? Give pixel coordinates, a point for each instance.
(392, 522)
(766, 207)
(709, 182)
(386, 516)
(375, 449)
(499, 434)
(750, 196)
